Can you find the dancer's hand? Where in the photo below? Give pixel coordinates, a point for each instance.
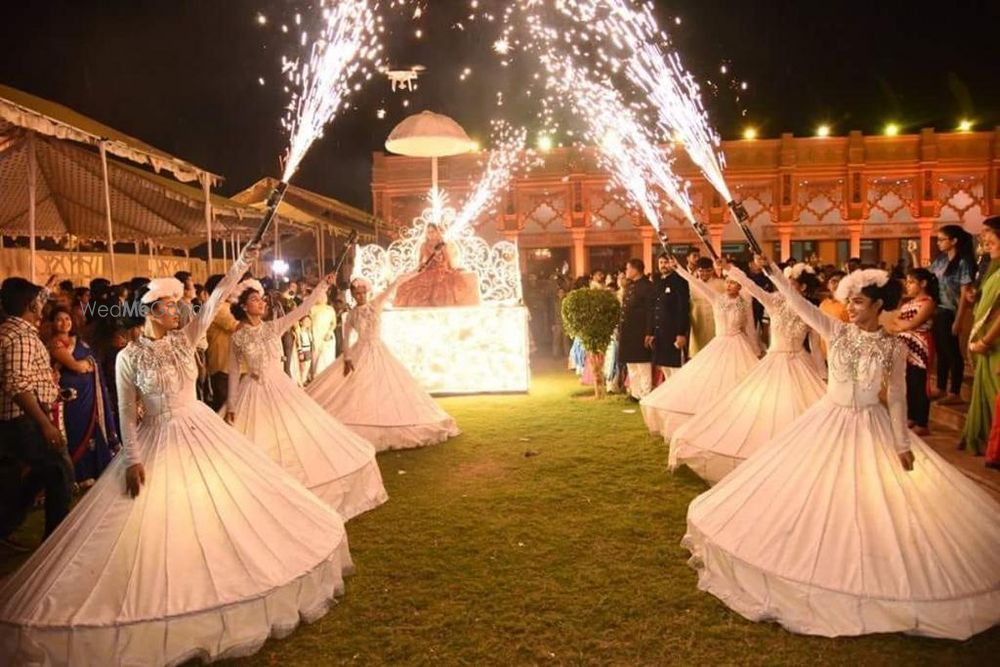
(680, 342)
(348, 367)
(955, 328)
(906, 459)
(648, 341)
(135, 477)
(250, 253)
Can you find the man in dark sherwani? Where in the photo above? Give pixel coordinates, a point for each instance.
(671, 317)
(635, 330)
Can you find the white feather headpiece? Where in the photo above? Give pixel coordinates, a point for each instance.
(163, 288)
(362, 281)
(795, 272)
(857, 281)
(249, 283)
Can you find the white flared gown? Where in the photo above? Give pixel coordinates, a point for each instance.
(220, 550)
(279, 417)
(719, 366)
(826, 533)
(379, 400)
(772, 395)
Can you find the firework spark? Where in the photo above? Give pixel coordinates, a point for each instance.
(626, 148)
(672, 92)
(345, 48)
(507, 155)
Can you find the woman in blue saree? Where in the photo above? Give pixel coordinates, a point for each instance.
(91, 432)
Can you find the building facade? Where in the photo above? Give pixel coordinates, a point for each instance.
(838, 197)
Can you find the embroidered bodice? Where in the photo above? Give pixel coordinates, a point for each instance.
(730, 315)
(861, 363)
(258, 348)
(788, 330)
(162, 373)
(733, 315)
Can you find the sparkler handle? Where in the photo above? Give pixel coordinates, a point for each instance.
(277, 194)
(661, 234)
(743, 221)
(702, 232)
(351, 241)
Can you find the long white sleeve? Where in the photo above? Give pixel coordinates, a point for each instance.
(379, 302)
(896, 398)
(767, 299)
(127, 407)
(824, 325)
(233, 376)
(348, 330)
(285, 322)
(750, 328)
(708, 293)
(197, 328)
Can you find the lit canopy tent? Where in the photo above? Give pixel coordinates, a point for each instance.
(428, 134)
(307, 210)
(55, 183)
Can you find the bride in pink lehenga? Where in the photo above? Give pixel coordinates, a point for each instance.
(440, 282)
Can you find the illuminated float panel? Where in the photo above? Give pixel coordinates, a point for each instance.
(459, 350)
(472, 350)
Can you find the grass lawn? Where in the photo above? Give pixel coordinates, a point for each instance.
(484, 555)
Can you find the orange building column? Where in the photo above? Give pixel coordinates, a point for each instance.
(855, 230)
(926, 228)
(579, 252)
(647, 247)
(785, 240)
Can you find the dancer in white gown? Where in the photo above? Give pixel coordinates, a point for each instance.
(778, 389)
(213, 549)
(847, 523)
(719, 366)
(370, 391)
(268, 407)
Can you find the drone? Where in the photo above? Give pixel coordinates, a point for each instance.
(404, 79)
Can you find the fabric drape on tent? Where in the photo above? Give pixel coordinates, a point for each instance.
(70, 197)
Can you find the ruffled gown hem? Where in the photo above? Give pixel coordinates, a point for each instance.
(227, 631)
(759, 596)
(355, 493)
(386, 438)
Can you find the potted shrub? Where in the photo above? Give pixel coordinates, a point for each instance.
(592, 316)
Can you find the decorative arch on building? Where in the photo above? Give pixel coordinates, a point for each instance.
(820, 201)
(542, 210)
(959, 199)
(891, 199)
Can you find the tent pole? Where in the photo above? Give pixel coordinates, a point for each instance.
(206, 186)
(107, 208)
(31, 203)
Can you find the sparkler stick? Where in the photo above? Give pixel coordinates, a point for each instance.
(352, 240)
(510, 145)
(743, 221)
(277, 194)
(345, 44)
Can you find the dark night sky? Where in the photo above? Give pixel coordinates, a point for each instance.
(182, 74)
